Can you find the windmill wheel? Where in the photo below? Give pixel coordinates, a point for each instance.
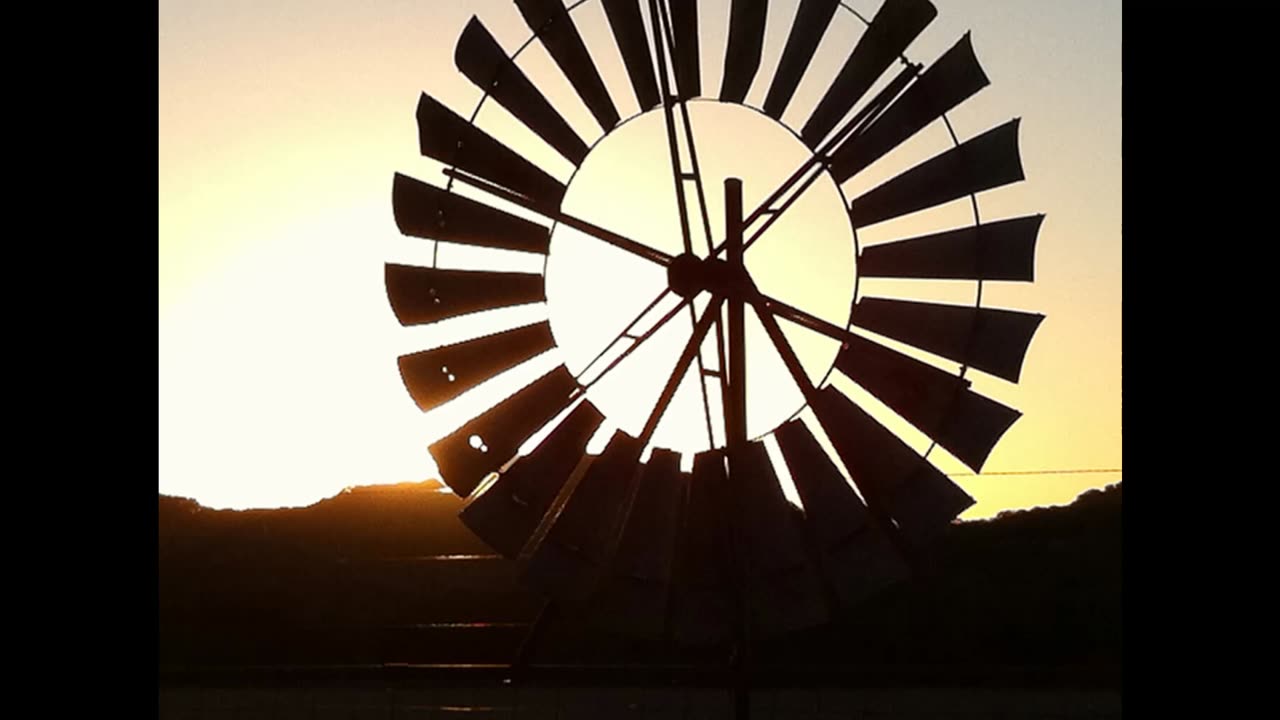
(676, 532)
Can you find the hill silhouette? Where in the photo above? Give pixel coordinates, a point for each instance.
(388, 574)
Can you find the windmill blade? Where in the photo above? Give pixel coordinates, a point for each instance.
(628, 30)
(941, 405)
(421, 295)
(1001, 250)
(436, 376)
(427, 212)
(485, 63)
(467, 455)
(921, 500)
(633, 596)
(857, 559)
(506, 513)
(703, 610)
(812, 19)
(785, 592)
(894, 26)
(568, 562)
(550, 21)
(954, 78)
(987, 161)
(445, 136)
(991, 340)
(685, 60)
(742, 54)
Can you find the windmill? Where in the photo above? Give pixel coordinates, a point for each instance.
(719, 552)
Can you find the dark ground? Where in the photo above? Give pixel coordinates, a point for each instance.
(389, 575)
(1024, 609)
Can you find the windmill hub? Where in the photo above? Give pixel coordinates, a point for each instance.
(688, 275)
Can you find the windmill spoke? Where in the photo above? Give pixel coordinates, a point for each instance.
(626, 330)
(645, 336)
(702, 379)
(875, 503)
(638, 249)
(682, 366)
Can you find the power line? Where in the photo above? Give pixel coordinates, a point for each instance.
(1081, 471)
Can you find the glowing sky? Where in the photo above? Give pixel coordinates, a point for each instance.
(281, 124)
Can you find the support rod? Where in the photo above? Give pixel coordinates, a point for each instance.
(736, 438)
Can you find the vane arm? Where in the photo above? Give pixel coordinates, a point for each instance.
(664, 43)
(638, 249)
(661, 48)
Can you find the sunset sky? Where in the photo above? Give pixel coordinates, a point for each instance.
(283, 122)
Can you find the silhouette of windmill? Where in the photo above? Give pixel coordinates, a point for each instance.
(719, 554)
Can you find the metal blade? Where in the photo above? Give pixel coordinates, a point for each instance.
(812, 19)
(437, 376)
(941, 405)
(550, 21)
(427, 212)
(703, 608)
(894, 26)
(422, 295)
(569, 560)
(785, 592)
(633, 596)
(628, 30)
(506, 513)
(445, 136)
(857, 559)
(921, 500)
(742, 54)
(991, 340)
(467, 455)
(686, 61)
(954, 78)
(1001, 250)
(987, 161)
(485, 63)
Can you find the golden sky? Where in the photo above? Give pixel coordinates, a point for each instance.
(282, 123)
